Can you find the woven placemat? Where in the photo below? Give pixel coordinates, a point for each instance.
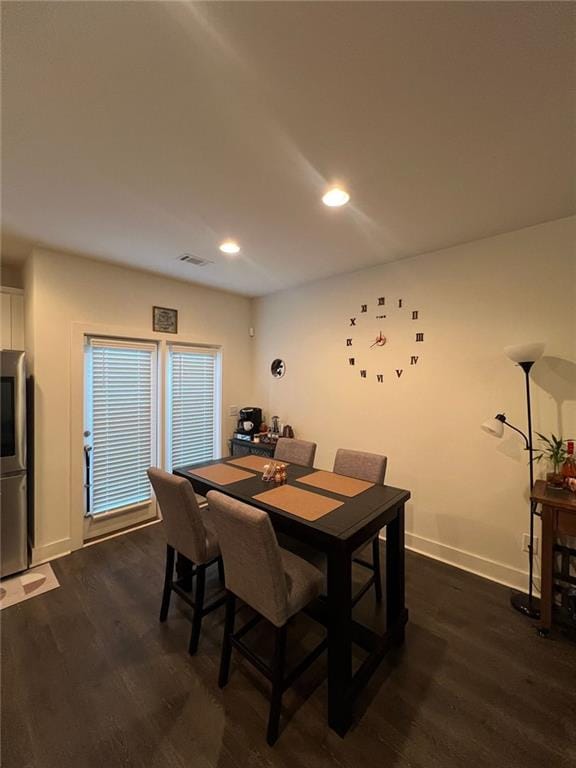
(221, 474)
(341, 484)
(305, 504)
(254, 462)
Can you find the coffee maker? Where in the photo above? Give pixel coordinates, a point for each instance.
(249, 423)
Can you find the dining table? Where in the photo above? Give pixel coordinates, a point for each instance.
(336, 517)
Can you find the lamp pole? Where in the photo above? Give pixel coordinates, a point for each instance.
(526, 367)
(525, 603)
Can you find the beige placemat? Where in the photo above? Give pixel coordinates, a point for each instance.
(221, 474)
(254, 462)
(305, 504)
(341, 484)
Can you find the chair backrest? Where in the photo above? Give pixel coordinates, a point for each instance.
(295, 451)
(183, 523)
(252, 561)
(361, 465)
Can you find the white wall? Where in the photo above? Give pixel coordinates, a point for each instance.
(469, 491)
(64, 293)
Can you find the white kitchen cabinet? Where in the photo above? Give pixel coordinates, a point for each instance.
(11, 318)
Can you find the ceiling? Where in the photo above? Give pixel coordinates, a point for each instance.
(136, 132)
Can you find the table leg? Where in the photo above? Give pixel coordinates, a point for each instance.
(547, 569)
(395, 578)
(339, 640)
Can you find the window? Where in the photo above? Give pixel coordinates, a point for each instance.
(193, 405)
(121, 407)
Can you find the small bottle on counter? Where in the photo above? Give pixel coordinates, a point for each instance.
(569, 466)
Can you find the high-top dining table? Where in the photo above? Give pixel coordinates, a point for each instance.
(338, 533)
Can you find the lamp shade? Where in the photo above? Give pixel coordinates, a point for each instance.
(525, 353)
(494, 427)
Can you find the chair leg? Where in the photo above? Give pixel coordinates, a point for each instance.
(168, 575)
(277, 685)
(226, 641)
(198, 608)
(221, 570)
(377, 569)
(184, 572)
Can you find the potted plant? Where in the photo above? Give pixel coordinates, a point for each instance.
(554, 451)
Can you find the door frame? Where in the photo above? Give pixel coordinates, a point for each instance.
(80, 331)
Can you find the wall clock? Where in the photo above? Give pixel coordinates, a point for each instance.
(385, 339)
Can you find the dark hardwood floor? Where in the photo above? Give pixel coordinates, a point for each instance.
(90, 678)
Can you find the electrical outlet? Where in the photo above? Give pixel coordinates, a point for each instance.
(232, 410)
(526, 543)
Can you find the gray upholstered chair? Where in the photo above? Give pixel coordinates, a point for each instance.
(190, 533)
(361, 465)
(295, 451)
(372, 468)
(272, 581)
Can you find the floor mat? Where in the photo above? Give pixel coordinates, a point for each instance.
(29, 584)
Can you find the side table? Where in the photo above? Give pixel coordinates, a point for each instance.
(558, 519)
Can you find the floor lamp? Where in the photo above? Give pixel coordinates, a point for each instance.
(525, 356)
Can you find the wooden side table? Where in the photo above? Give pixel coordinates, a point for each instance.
(247, 447)
(558, 519)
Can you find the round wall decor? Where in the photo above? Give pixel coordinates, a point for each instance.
(278, 368)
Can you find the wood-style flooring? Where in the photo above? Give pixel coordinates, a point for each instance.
(91, 679)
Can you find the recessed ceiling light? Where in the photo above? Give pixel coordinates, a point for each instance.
(230, 246)
(335, 197)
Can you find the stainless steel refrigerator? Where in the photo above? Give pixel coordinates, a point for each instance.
(13, 472)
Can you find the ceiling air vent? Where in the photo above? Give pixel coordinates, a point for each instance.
(196, 260)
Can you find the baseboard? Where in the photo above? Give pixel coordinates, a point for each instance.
(121, 532)
(467, 561)
(51, 551)
(64, 546)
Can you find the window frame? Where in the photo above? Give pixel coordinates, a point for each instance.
(184, 348)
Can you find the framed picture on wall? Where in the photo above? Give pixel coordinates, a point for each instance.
(164, 320)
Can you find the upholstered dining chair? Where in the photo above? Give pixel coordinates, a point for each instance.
(295, 451)
(190, 533)
(372, 468)
(274, 582)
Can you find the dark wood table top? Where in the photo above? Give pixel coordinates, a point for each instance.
(559, 498)
(343, 523)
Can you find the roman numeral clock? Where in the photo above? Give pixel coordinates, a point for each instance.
(384, 340)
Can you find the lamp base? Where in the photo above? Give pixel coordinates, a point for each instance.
(529, 606)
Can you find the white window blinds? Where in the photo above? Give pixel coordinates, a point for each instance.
(121, 417)
(193, 407)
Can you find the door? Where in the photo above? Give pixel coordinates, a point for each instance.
(14, 541)
(12, 412)
(121, 409)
